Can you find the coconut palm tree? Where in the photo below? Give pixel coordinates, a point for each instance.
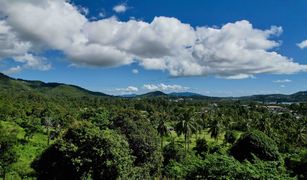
(162, 127)
(186, 125)
(300, 135)
(215, 127)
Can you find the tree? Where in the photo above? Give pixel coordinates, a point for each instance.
(162, 127)
(173, 151)
(201, 147)
(143, 140)
(30, 126)
(48, 123)
(264, 125)
(216, 166)
(86, 151)
(214, 129)
(255, 143)
(8, 138)
(186, 125)
(300, 136)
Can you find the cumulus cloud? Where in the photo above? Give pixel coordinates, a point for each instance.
(283, 81)
(12, 47)
(120, 8)
(234, 51)
(302, 44)
(129, 89)
(164, 87)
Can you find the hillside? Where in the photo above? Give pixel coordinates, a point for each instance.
(49, 89)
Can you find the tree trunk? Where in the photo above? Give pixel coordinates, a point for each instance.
(161, 142)
(188, 140)
(48, 136)
(185, 142)
(4, 173)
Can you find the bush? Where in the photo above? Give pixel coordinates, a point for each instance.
(257, 143)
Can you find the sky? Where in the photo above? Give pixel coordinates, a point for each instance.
(211, 47)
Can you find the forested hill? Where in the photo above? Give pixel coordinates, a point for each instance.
(10, 85)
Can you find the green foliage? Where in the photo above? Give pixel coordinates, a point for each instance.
(86, 151)
(255, 143)
(8, 138)
(186, 124)
(201, 147)
(230, 137)
(143, 141)
(215, 128)
(173, 152)
(298, 164)
(43, 113)
(225, 167)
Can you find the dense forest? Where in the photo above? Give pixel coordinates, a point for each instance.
(57, 131)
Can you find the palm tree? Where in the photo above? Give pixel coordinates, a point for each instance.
(264, 125)
(201, 123)
(300, 135)
(186, 125)
(214, 128)
(162, 127)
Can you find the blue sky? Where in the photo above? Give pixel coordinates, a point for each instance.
(57, 62)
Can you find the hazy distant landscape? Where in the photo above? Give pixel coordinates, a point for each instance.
(160, 89)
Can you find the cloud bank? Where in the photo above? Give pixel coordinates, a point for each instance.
(164, 87)
(129, 89)
(234, 51)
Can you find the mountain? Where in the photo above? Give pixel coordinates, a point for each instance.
(185, 94)
(296, 97)
(154, 94)
(128, 95)
(10, 85)
(50, 89)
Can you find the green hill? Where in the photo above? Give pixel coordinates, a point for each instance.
(47, 89)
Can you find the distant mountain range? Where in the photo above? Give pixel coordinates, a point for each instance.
(8, 84)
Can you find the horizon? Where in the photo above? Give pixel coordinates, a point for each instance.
(138, 94)
(212, 48)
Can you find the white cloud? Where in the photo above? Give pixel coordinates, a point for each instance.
(164, 87)
(33, 62)
(120, 8)
(283, 81)
(135, 71)
(234, 51)
(10, 45)
(129, 89)
(13, 70)
(302, 44)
